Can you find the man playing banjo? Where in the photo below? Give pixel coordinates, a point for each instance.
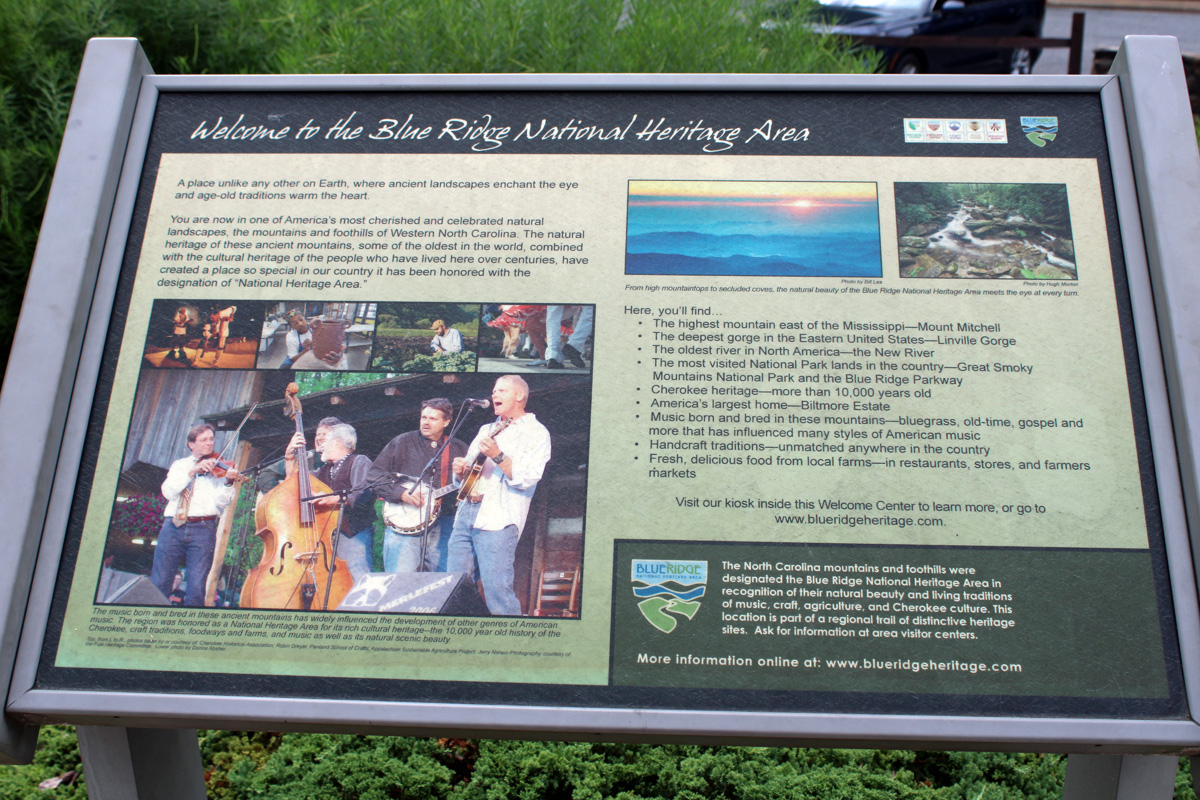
(407, 506)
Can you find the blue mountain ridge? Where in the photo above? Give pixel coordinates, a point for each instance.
(789, 246)
(658, 590)
(673, 264)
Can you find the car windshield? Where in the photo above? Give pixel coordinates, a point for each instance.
(877, 5)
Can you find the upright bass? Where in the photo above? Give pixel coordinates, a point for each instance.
(298, 568)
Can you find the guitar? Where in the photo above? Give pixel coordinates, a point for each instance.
(471, 478)
(407, 518)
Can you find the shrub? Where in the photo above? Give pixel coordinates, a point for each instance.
(57, 754)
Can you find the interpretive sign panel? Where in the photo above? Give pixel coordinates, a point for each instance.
(803, 401)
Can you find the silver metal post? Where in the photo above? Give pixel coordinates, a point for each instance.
(141, 763)
(1120, 777)
(61, 283)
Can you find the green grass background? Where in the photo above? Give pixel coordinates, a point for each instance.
(41, 46)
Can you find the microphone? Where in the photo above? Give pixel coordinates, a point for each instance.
(479, 402)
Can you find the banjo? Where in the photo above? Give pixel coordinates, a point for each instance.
(411, 519)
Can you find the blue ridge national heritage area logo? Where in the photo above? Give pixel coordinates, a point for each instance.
(1040, 130)
(669, 590)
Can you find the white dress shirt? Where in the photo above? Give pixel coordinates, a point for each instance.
(210, 496)
(506, 500)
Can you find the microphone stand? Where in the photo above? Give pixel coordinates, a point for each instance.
(240, 562)
(341, 495)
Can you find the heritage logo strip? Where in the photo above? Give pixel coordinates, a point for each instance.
(955, 131)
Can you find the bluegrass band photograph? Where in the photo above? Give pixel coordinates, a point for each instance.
(333, 483)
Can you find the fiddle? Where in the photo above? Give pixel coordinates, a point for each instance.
(218, 466)
(221, 468)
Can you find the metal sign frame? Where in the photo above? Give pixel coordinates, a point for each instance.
(75, 273)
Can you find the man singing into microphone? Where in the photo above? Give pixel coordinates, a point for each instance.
(511, 454)
(408, 454)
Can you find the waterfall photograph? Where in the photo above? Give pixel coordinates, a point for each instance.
(985, 230)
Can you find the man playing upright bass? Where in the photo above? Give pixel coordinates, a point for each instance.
(499, 474)
(343, 470)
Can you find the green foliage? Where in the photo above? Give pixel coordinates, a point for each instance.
(994, 776)
(1040, 202)
(521, 36)
(402, 319)
(41, 45)
(411, 354)
(921, 203)
(911, 214)
(57, 753)
(312, 382)
(243, 524)
(320, 766)
(1183, 781)
(648, 772)
(274, 766)
(441, 362)
(231, 757)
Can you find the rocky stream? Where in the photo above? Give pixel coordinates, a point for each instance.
(988, 242)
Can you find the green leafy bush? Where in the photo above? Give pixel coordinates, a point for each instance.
(57, 754)
(337, 767)
(305, 766)
(441, 362)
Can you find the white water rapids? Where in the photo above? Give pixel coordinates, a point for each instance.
(956, 237)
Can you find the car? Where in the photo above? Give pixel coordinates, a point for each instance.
(957, 18)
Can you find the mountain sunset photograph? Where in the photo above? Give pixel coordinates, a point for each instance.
(766, 228)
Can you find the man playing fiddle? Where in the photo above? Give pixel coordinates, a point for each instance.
(188, 535)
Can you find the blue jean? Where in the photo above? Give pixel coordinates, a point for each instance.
(494, 551)
(402, 553)
(554, 315)
(191, 545)
(579, 335)
(356, 552)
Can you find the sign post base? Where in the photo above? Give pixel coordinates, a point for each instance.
(1119, 777)
(141, 763)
